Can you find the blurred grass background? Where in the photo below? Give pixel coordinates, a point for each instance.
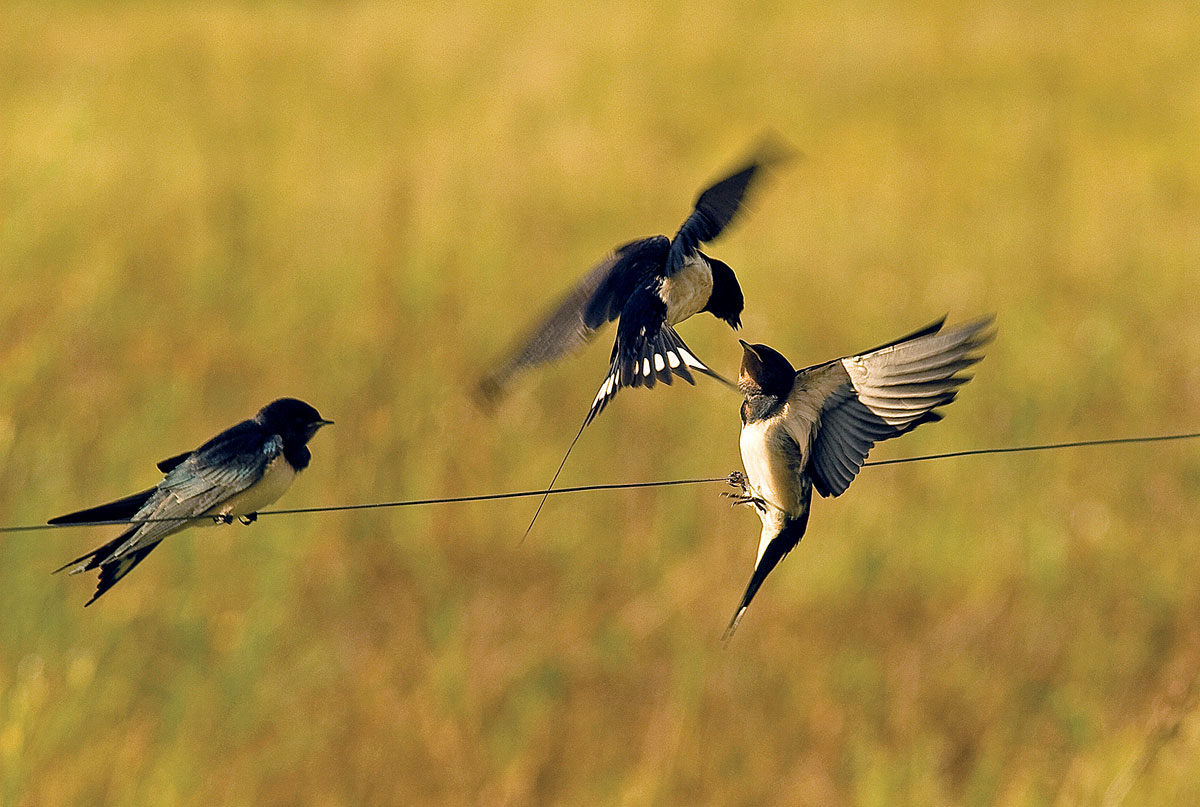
(207, 206)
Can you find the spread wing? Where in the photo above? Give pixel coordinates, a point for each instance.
(859, 400)
(720, 203)
(572, 323)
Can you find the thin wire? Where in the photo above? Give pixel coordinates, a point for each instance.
(484, 497)
(1043, 447)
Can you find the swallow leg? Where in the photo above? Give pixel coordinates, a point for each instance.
(758, 503)
(223, 518)
(248, 519)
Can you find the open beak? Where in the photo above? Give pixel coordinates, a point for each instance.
(751, 364)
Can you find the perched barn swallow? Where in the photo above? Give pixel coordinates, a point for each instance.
(650, 285)
(813, 428)
(238, 472)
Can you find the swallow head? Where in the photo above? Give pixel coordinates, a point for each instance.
(294, 420)
(726, 301)
(765, 372)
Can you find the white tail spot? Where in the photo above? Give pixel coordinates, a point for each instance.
(646, 367)
(691, 361)
(672, 359)
(605, 389)
(659, 364)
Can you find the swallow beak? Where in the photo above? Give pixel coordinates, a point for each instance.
(750, 374)
(324, 422)
(751, 364)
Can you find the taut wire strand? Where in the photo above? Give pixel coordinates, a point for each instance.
(486, 497)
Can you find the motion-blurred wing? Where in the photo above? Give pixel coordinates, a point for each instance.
(595, 302)
(719, 204)
(859, 400)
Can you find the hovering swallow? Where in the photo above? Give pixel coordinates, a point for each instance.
(241, 470)
(813, 428)
(650, 285)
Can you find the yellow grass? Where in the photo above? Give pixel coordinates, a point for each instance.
(206, 207)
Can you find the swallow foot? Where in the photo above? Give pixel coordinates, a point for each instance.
(248, 519)
(757, 502)
(744, 493)
(737, 479)
(223, 518)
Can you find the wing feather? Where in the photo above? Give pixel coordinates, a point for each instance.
(580, 314)
(720, 203)
(878, 395)
(215, 472)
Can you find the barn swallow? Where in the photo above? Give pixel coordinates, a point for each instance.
(813, 428)
(650, 285)
(235, 474)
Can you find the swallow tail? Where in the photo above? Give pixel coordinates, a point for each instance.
(775, 551)
(114, 570)
(120, 510)
(97, 556)
(659, 359)
(646, 362)
(111, 569)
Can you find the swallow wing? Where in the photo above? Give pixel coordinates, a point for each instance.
(170, 463)
(215, 472)
(120, 510)
(572, 323)
(720, 203)
(852, 403)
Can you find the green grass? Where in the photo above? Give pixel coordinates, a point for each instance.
(204, 208)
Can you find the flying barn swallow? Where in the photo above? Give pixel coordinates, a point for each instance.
(650, 285)
(235, 474)
(813, 428)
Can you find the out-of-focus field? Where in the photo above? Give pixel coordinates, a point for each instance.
(204, 208)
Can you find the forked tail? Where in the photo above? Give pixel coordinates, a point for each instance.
(644, 362)
(636, 365)
(550, 487)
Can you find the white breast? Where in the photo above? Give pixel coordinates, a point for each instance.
(771, 478)
(688, 290)
(757, 463)
(274, 483)
(767, 466)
